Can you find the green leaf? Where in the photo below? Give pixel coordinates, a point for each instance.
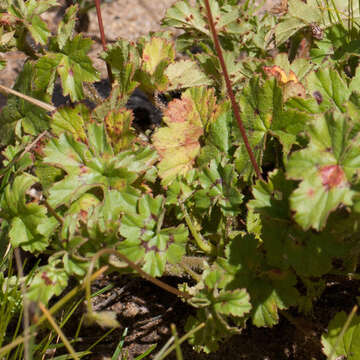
(220, 129)
(93, 165)
(328, 89)
(156, 56)
(104, 222)
(184, 16)
(270, 291)
(75, 265)
(207, 338)
(116, 101)
(155, 53)
(309, 253)
(242, 253)
(268, 297)
(185, 73)
(7, 34)
(263, 115)
(73, 66)
(236, 302)
(287, 28)
(124, 59)
(15, 160)
(178, 143)
(219, 187)
(67, 25)
(28, 220)
(28, 12)
(181, 188)
(71, 120)
(299, 15)
(48, 281)
(146, 241)
(325, 169)
(39, 30)
(346, 346)
(216, 302)
(33, 119)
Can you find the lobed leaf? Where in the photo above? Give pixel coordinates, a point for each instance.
(299, 15)
(219, 187)
(49, 280)
(29, 13)
(145, 240)
(328, 89)
(342, 345)
(66, 26)
(30, 227)
(93, 165)
(71, 120)
(157, 54)
(124, 59)
(325, 169)
(178, 143)
(72, 65)
(19, 112)
(184, 74)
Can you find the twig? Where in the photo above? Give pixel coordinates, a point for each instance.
(30, 99)
(234, 104)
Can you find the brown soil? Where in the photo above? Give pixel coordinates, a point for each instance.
(147, 312)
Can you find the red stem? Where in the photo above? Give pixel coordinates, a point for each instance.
(102, 36)
(234, 104)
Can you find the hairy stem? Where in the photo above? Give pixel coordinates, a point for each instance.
(234, 104)
(102, 36)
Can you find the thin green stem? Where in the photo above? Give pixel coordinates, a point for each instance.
(204, 245)
(162, 355)
(26, 315)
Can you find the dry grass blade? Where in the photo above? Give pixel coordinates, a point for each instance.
(30, 99)
(59, 331)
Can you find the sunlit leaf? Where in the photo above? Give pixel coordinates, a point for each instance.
(146, 240)
(178, 143)
(325, 168)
